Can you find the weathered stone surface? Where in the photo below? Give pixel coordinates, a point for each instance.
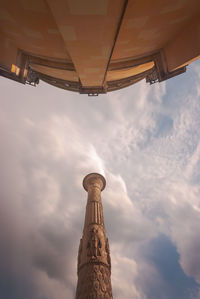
(94, 264)
(94, 282)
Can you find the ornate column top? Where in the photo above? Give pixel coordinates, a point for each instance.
(94, 179)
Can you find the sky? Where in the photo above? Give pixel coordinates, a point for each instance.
(145, 140)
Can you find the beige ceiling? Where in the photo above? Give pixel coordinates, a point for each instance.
(86, 32)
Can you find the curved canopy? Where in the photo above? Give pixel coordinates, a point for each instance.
(94, 46)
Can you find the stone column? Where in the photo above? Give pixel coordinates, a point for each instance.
(94, 267)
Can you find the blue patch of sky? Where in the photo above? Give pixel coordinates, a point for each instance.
(164, 125)
(163, 254)
(195, 177)
(179, 87)
(16, 288)
(163, 128)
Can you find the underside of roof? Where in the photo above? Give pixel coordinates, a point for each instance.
(96, 46)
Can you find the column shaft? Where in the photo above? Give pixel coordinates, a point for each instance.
(94, 267)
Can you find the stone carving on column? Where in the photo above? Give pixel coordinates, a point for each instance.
(95, 284)
(108, 252)
(94, 265)
(94, 244)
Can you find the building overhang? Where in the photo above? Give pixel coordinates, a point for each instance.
(93, 47)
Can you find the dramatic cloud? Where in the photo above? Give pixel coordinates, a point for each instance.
(145, 141)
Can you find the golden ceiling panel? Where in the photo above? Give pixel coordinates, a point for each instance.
(87, 34)
(128, 72)
(88, 7)
(147, 26)
(55, 73)
(31, 27)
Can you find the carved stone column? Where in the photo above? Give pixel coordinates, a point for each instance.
(94, 267)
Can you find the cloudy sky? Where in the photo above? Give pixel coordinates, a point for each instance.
(145, 140)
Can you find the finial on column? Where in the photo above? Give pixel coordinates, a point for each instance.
(94, 179)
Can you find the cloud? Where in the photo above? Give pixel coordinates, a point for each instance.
(144, 139)
(124, 278)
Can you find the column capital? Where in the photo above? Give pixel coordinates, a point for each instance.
(94, 179)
